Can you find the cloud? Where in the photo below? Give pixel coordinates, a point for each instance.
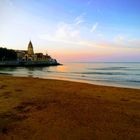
(66, 33)
(80, 19)
(94, 27)
(120, 38)
(70, 34)
(100, 35)
(126, 41)
(73, 35)
(132, 43)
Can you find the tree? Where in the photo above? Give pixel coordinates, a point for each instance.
(7, 54)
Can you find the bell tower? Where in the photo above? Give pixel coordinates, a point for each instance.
(30, 49)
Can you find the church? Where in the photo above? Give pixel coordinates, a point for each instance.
(29, 55)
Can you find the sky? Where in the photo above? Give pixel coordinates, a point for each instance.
(73, 30)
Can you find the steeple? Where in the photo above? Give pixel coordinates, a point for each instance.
(30, 48)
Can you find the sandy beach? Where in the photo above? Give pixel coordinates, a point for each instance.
(39, 109)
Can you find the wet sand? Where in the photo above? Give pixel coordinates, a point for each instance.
(39, 109)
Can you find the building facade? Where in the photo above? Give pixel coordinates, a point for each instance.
(29, 55)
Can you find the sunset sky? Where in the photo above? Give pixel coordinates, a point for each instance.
(73, 30)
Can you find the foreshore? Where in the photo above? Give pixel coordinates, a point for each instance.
(41, 109)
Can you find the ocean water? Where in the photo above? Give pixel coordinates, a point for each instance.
(109, 74)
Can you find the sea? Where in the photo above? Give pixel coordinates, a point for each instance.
(99, 73)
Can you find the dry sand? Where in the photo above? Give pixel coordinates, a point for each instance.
(38, 109)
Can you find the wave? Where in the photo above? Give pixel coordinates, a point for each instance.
(116, 80)
(115, 68)
(105, 73)
(108, 68)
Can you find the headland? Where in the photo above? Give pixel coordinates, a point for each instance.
(25, 58)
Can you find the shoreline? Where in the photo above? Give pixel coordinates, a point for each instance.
(34, 108)
(74, 80)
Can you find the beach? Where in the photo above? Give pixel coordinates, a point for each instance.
(43, 109)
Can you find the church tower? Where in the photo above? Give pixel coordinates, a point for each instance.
(30, 49)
